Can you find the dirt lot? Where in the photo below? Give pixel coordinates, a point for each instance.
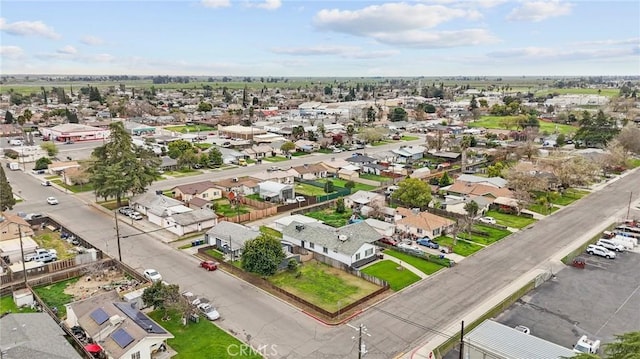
(98, 281)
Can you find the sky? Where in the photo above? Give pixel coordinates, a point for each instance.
(310, 38)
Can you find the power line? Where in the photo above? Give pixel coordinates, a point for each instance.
(418, 325)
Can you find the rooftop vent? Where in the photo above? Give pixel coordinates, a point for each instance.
(343, 237)
(299, 227)
(115, 320)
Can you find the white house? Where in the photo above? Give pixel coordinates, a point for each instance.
(456, 204)
(364, 198)
(409, 154)
(195, 220)
(384, 228)
(351, 245)
(276, 192)
(121, 330)
(158, 207)
(230, 237)
(280, 223)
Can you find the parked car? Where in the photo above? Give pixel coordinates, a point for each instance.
(389, 241)
(152, 275)
(46, 183)
(209, 311)
(52, 200)
(522, 328)
(135, 215)
(489, 220)
(610, 245)
(410, 248)
(600, 251)
(428, 243)
(41, 255)
(209, 265)
(125, 210)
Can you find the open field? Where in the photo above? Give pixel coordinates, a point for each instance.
(339, 182)
(580, 91)
(51, 240)
(200, 340)
(224, 208)
(189, 128)
(495, 122)
(391, 272)
(423, 265)
(76, 188)
(569, 196)
(323, 285)
(275, 159)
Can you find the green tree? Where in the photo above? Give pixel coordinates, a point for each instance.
(287, 147)
(188, 158)
(329, 186)
(42, 163)
(297, 132)
(596, 131)
(626, 346)
(215, 157)
(27, 115)
(262, 255)
(413, 192)
(371, 114)
(471, 208)
(205, 107)
(561, 140)
(445, 180)
(350, 185)
(351, 130)
(177, 148)
(119, 167)
(161, 296)
(322, 130)
(340, 207)
(7, 201)
(50, 147)
(8, 118)
(94, 95)
(398, 114)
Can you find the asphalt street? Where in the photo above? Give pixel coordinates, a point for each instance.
(397, 325)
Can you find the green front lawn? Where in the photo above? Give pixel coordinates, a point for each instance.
(571, 195)
(494, 234)
(275, 159)
(542, 209)
(255, 197)
(423, 265)
(633, 162)
(215, 254)
(76, 188)
(190, 128)
(8, 305)
(409, 138)
(327, 287)
(380, 143)
(388, 271)
(182, 173)
(373, 177)
(299, 154)
(510, 220)
(325, 150)
(462, 248)
(54, 295)
(330, 217)
(202, 146)
(201, 340)
(496, 122)
(309, 190)
(271, 231)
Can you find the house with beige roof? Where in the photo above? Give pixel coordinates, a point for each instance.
(206, 190)
(240, 185)
(11, 226)
(421, 224)
(462, 188)
(311, 171)
(57, 168)
(286, 177)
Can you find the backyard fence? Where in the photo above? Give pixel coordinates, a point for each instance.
(251, 216)
(313, 208)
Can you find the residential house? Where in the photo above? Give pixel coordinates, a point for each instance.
(461, 188)
(57, 168)
(259, 152)
(192, 221)
(351, 245)
(373, 168)
(364, 198)
(334, 165)
(421, 173)
(206, 190)
(349, 173)
(421, 224)
(384, 228)
(199, 203)
(491, 339)
(311, 171)
(360, 160)
(157, 207)
(168, 164)
(497, 182)
(282, 222)
(456, 204)
(409, 154)
(230, 237)
(449, 156)
(34, 335)
(286, 176)
(230, 156)
(12, 227)
(276, 192)
(244, 186)
(121, 330)
(306, 146)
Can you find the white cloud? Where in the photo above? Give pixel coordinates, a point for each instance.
(69, 50)
(547, 53)
(266, 4)
(28, 28)
(91, 40)
(351, 52)
(216, 3)
(11, 52)
(632, 41)
(438, 39)
(536, 11)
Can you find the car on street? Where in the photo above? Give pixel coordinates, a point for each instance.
(389, 241)
(46, 183)
(610, 245)
(209, 265)
(209, 311)
(428, 243)
(489, 220)
(52, 200)
(600, 251)
(135, 215)
(522, 328)
(152, 275)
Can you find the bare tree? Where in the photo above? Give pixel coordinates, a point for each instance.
(629, 139)
(523, 199)
(573, 171)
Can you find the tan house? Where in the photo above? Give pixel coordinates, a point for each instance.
(11, 225)
(244, 185)
(421, 224)
(477, 189)
(56, 168)
(311, 171)
(205, 190)
(258, 152)
(334, 165)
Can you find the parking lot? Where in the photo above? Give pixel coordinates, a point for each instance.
(601, 300)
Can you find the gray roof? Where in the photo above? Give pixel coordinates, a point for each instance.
(168, 162)
(238, 233)
(152, 200)
(505, 342)
(195, 216)
(496, 181)
(326, 236)
(360, 159)
(33, 335)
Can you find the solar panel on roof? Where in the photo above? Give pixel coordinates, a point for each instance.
(121, 337)
(99, 316)
(140, 318)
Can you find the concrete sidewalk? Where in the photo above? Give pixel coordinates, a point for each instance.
(552, 266)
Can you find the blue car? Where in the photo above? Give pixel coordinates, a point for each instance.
(428, 243)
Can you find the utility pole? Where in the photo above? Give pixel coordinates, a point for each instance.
(24, 265)
(115, 213)
(362, 330)
(461, 354)
(629, 206)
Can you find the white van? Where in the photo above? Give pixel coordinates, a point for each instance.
(625, 241)
(15, 142)
(14, 166)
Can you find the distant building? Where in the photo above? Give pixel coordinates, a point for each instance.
(74, 132)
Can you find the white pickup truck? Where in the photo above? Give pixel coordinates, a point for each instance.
(586, 345)
(42, 255)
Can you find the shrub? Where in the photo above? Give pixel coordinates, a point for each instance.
(292, 266)
(340, 208)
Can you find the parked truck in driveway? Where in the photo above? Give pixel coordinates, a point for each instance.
(586, 345)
